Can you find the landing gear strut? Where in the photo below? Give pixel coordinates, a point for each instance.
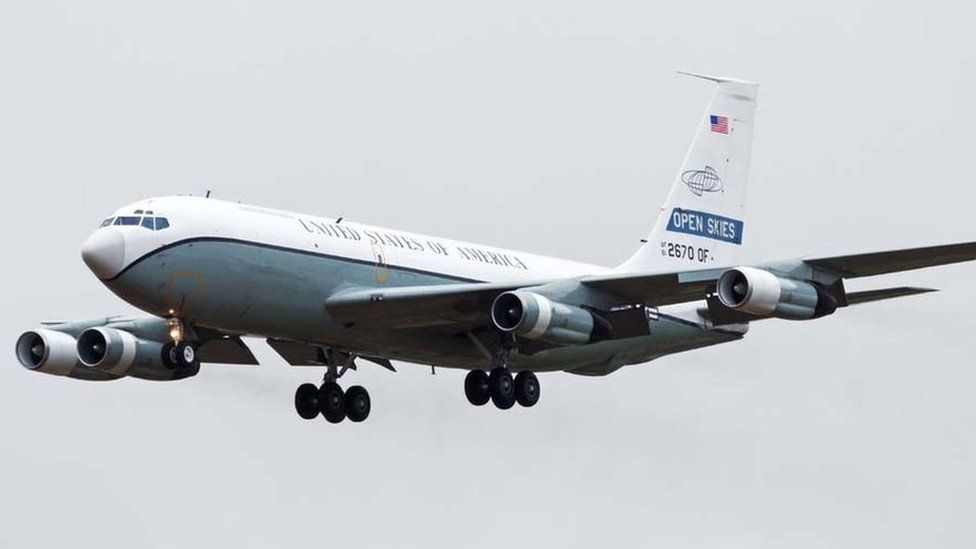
(329, 399)
(499, 386)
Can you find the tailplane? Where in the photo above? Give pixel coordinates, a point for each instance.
(702, 221)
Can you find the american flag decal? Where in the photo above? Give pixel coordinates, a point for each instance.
(718, 124)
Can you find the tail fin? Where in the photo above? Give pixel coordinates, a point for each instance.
(701, 223)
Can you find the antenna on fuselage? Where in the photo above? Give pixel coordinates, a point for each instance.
(341, 217)
(208, 193)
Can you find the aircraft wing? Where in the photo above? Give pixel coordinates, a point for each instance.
(871, 264)
(417, 306)
(460, 307)
(467, 305)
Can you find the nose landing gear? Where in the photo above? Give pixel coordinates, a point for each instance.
(181, 354)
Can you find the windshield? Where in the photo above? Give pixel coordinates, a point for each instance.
(150, 222)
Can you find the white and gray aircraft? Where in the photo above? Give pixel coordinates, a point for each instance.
(334, 293)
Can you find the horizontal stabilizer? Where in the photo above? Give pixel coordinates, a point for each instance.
(717, 79)
(854, 266)
(856, 298)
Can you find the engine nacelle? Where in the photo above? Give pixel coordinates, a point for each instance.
(53, 352)
(47, 351)
(761, 293)
(535, 316)
(120, 353)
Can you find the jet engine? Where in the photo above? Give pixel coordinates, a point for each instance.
(53, 352)
(120, 353)
(535, 316)
(47, 351)
(761, 293)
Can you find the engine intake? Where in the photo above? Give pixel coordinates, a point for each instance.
(534, 316)
(53, 352)
(47, 351)
(761, 293)
(107, 349)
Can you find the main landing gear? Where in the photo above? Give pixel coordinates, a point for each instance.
(501, 388)
(330, 400)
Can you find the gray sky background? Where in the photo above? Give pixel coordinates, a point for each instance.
(554, 127)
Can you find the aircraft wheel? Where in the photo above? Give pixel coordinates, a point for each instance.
(170, 359)
(307, 401)
(186, 355)
(502, 388)
(357, 403)
(476, 387)
(332, 402)
(526, 389)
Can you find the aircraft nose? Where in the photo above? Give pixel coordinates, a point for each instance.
(104, 252)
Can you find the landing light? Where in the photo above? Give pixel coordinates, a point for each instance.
(175, 329)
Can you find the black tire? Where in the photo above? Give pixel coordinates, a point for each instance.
(169, 357)
(332, 402)
(527, 389)
(357, 404)
(186, 355)
(307, 401)
(502, 388)
(476, 387)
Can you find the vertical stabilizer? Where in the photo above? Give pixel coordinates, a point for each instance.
(702, 222)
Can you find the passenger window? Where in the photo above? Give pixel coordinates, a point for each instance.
(126, 220)
(107, 222)
(147, 222)
(161, 223)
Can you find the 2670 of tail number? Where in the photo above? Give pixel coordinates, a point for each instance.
(683, 251)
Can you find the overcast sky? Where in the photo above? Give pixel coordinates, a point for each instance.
(554, 127)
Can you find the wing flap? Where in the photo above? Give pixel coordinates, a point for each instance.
(227, 350)
(658, 289)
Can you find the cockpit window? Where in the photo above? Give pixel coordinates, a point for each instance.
(126, 220)
(146, 222)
